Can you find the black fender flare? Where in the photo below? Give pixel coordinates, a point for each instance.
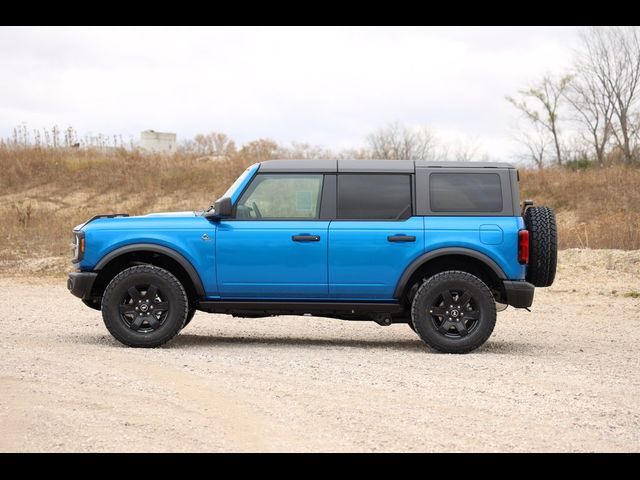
(425, 257)
(152, 247)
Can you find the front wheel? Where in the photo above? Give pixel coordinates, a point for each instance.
(144, 306)
(453, 312)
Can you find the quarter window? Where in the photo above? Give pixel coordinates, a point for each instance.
(281, 196)
(374, 196)
(465, 192)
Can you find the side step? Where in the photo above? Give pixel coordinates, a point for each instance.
(298, 308)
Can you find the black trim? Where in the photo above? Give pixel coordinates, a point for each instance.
(422, 259)
(518, 294)
(328, 202)
(298, 308)
(95, 217)
(152, 247)
(305, 238)
(373, 165)
(81, 283)
(401, 238)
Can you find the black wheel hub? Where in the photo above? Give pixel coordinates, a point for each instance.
(454, 313)
(144, 308)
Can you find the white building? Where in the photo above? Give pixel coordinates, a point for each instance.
(158, 142)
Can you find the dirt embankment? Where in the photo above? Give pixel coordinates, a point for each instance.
(564, 377)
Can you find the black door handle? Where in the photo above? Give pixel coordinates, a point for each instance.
(401, 238)
(306, 238)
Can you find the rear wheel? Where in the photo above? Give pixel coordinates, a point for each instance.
(453, 312)
(144, 306)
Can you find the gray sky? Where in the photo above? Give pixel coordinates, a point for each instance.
(328, 86)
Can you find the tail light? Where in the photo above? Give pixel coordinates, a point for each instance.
(523, 246)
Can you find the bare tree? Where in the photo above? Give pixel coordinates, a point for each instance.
(594, 111)
(540, 105)
(215, 144)
(259, 150)
(611, 55)
(465, 150)
(537, 142)
(398, 142)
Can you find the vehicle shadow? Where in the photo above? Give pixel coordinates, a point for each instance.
(186, 341)
(414, 345)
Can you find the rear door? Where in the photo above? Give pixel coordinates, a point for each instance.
(275, 247)
(375, 235)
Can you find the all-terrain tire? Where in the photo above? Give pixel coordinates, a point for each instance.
(439, 320)
(127, 289)
(543, 246)
(190, 315)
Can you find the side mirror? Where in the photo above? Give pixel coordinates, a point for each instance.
(222, 208)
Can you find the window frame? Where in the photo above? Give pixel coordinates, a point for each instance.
(423, 197)
(323, 191)
(412, 198)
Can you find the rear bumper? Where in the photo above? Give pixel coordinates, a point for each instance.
(518, 294)
(80, 283)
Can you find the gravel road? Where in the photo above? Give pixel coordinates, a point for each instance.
(565, 377)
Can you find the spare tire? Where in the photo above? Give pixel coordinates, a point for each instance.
(543, 245)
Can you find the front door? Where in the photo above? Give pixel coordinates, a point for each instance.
(275, 247)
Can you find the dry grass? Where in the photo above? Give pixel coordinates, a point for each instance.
(45, 192)
(595, 208)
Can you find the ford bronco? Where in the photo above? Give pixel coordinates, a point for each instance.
(441, 246)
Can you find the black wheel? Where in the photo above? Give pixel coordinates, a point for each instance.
(543, 245)
(144, 306)
(192, 312)
(453, 312)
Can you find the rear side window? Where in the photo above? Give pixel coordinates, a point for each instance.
(374, 196)
(465, 192)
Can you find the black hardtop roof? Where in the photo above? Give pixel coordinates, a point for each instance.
(374, 166)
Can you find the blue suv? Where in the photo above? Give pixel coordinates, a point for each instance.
(440, 246)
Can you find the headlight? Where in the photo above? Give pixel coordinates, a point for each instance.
(78, 246)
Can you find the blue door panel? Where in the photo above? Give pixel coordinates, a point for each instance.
(259, 259)
(496, 237)
(363, 263)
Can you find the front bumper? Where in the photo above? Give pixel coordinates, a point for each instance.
(518, 294)
(81, 283)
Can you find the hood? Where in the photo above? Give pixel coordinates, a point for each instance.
(163, 220)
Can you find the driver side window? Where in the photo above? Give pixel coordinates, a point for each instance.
(280, 197)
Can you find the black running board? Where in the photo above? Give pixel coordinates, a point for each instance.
(298, 308)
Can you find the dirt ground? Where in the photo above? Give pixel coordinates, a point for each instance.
(565, 377)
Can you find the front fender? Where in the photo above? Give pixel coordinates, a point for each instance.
(187, 246)
(150, 247)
